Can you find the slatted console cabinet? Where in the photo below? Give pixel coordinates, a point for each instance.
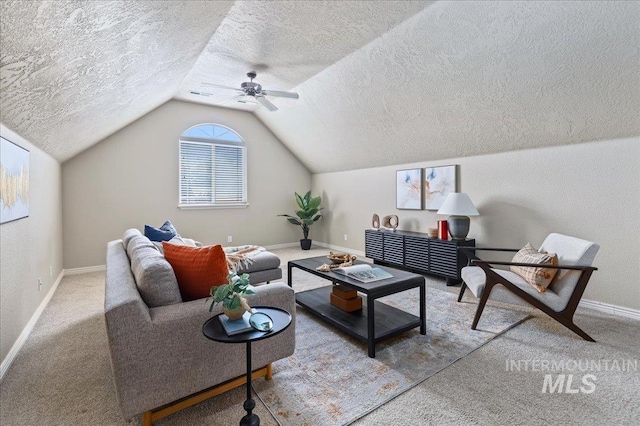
(417, 252)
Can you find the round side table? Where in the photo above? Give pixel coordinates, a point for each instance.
(213, 330)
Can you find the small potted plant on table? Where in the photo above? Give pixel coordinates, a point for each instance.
(231, 295)
(306, 216)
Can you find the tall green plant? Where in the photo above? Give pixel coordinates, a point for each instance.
(308, 213)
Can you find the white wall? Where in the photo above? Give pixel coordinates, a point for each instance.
(29, 246)
(131, 179)
(591, 191)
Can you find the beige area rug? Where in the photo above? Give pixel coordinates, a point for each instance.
(330, 380)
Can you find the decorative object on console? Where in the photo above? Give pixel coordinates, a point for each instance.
(14, 181)
(233, 304)
(459, 206)
(375, 221)
(432, 232)
(438, 183)
(443, 230)
(391, 222)
(307, 215)
(165, 233)
(409, 189)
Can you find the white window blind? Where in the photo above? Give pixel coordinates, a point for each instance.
(212, 171)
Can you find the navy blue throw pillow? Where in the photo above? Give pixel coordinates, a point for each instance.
(164, 233)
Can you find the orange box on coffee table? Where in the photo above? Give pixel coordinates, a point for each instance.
(347, 300)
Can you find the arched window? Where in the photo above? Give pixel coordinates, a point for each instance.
(213, 167)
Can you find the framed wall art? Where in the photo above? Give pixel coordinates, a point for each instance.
(14, 181)
(438, 183)
(409, 189)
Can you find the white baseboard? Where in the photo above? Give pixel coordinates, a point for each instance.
(22, 338)
(338, 248)
(282, 246)
(85, 270)
(620, 311)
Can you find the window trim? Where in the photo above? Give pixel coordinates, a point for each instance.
(213, 141)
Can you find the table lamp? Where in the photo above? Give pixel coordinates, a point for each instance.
(459, 206)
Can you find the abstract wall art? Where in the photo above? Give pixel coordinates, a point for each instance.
(14, 181)
(409, 189)
(438, 183)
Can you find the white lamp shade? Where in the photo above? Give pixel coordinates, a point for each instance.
(458, 204)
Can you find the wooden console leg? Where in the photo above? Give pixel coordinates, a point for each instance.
(269, 374)
(146, 418)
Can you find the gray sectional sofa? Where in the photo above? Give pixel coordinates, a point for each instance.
(158, 353)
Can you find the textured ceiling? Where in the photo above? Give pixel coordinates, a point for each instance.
(380, 82)
(467, 78)
(287, 43)
(72, 73)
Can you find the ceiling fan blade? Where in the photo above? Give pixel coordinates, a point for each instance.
(220, 86)
(232, 99)
(268, 105)
(280, 94)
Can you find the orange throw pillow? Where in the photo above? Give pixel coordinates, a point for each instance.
(197, 268)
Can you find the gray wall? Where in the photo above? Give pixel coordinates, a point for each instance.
(29, 246)
(131, 178)
(590, 190)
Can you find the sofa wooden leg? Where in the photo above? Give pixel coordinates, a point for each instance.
(148, 417)
(269, 374)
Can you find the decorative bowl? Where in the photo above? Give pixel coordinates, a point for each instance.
(340, 257)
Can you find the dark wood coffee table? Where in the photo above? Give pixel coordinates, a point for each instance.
(376, 321)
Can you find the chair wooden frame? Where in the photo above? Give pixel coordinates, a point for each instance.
(564, 317)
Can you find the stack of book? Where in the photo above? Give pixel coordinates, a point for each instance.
(345, 299)
(233, 327)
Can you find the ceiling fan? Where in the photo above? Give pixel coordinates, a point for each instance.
(255, 90)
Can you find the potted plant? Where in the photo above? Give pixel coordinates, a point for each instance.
(231, 295)
(307, 215)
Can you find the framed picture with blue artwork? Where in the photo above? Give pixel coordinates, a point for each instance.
(14, 181)
(409, 189)
(439, 182)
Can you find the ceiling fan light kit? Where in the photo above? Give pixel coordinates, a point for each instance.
(254, 90)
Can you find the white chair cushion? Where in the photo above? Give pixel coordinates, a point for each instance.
(571, 251)
(475, 279)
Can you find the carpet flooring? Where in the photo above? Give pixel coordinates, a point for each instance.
(62, 374)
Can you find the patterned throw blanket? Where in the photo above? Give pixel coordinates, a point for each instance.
(241, 256)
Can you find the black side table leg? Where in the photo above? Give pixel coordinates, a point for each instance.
(289, 268)
(250, 419)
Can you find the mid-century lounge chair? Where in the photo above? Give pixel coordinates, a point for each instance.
(559, 301)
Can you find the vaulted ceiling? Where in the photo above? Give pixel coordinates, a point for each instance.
(380, 82)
